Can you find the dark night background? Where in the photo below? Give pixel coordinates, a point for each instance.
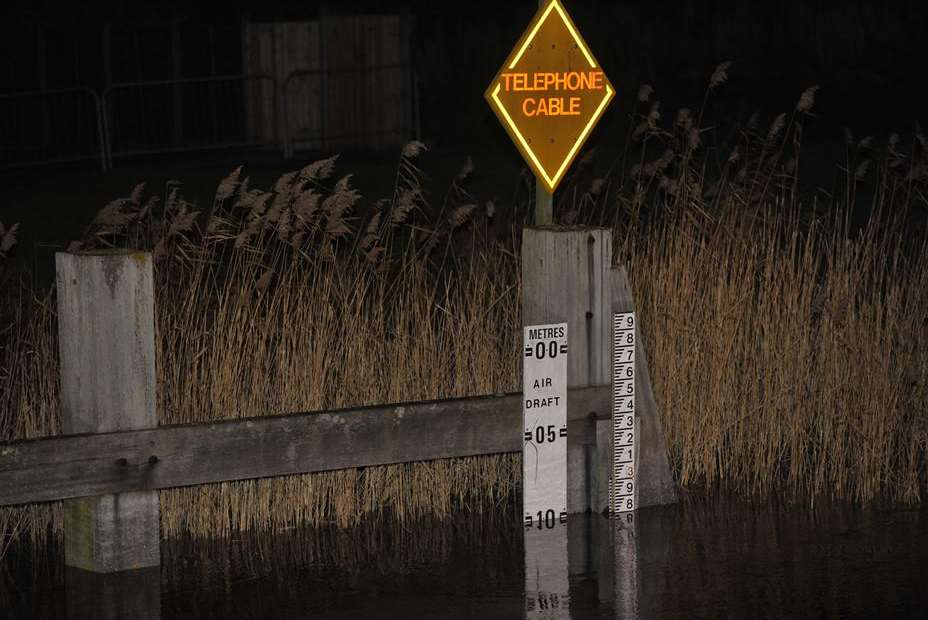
(866, 56)
(787, 302)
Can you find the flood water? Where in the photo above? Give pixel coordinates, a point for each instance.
(703, 558)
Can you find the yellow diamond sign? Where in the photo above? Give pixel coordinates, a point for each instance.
(550, 93)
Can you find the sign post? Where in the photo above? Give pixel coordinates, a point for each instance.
(548, 95)
(544, 202)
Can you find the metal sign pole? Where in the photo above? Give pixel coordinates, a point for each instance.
(544, 202)
(544, 205)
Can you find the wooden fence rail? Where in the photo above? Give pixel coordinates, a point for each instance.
(71, 466)
(114, 456)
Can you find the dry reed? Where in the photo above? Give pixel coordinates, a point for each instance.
(787, 342)
(284, 301)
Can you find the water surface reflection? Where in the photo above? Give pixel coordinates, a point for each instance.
(703, 558)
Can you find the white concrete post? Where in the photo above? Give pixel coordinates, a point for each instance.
(107, 358)
(565, 275)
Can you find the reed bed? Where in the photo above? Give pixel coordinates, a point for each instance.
(292, 300)
(786, 329)
(789, 339)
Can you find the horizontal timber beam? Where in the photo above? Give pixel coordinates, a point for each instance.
(70, 466)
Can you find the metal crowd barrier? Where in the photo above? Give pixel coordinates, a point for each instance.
(51, 126)
(204, 113)
(301, 125)
(166, 116)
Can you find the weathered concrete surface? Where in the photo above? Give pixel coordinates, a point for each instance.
(107, 365)
(112, 532)
(565, 278)
(567, 275)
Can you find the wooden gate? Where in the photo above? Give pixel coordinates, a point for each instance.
(342, 82)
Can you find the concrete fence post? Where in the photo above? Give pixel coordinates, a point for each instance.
(107, 358)
(565, 277)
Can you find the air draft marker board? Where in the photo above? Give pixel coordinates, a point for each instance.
(622, 496)
(544, 418)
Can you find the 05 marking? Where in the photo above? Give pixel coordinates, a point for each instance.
(545, 434)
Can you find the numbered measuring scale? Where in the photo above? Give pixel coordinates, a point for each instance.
(624, 475)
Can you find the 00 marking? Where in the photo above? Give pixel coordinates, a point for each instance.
(542, 350)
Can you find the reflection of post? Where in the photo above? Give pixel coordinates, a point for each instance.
(132, 594)
(626, 565)
(605, 557)
(546, 584)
